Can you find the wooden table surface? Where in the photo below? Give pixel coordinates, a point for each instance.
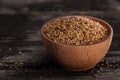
(23, 56)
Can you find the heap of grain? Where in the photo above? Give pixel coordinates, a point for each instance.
(75, 30)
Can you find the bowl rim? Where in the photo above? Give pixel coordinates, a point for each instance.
(89, 17)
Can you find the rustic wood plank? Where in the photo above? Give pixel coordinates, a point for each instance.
(58, 5)
(20, 42)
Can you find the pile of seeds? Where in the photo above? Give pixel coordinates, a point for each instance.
(75, 30)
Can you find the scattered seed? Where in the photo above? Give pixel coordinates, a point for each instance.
(1, 64)
(110, 65)
(96, 76)
(9, 49)
(113, 61)
(107, 62)
(118, 69)
(98, 71)
(40, 77)
(98, 65)
(118, 59)
(21, 63)
(117, 65)
(11, 73)
(100, 68)
(7, 58)
(102, 64)
(103, 61)
(113, 66)
(20, 52)
(10, 67)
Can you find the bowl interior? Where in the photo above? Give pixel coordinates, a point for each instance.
(102, 22)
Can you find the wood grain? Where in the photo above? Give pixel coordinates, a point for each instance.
(17, 38)
(31, 45)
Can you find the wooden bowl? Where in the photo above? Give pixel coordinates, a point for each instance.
(81, 57)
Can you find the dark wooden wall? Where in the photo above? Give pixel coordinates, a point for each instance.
(59, 5)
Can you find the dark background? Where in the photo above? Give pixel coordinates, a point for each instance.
(22, 54)
(59, 5)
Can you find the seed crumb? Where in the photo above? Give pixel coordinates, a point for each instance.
(1, 64)
(9, 49)
(7, 58)
(20, 52)
(40, 77)
(118, 59)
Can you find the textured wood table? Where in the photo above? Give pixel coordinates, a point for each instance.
(22, 54)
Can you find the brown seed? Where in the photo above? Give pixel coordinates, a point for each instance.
(7, 58)
(98, 65)
(75, 31)
(118, 69)
(118, 59)
(101, 68)
(107, 62)
(102, 64)
(10, 67)
(40, 77)
(1, 64)
(98, 71)
(110, 65)
(10, 49)
(21, 63)
(20, 52)
(96, 76)
(113, 61)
